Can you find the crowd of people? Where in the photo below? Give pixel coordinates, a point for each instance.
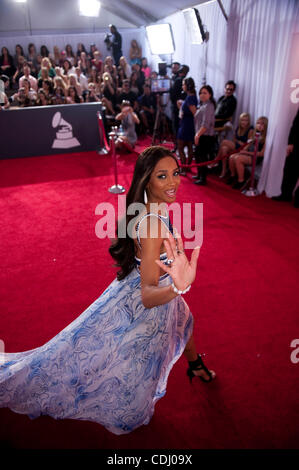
(124, 87)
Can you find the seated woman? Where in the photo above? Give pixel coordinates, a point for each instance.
(48, 64)
(74, 82)
(238, 161)
(243, 132)
(72, 96)
(125, 66)
(42, 99)
(128, 120)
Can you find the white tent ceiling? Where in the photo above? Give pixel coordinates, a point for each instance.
(36, 16)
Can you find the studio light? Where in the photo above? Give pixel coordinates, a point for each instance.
(20, 1)
(194, 26)
(89, 7)
(160, 38)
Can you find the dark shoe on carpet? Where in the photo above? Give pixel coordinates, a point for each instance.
(282, 198)
(201, 181)
(195, 177)
(230, 180)
(239, 185)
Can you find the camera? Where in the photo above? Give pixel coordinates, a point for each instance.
(107, 38)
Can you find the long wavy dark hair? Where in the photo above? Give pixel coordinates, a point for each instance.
(123, 249)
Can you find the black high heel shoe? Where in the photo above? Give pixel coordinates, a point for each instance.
(198, 364)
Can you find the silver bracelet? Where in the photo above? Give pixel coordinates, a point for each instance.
(177, 291)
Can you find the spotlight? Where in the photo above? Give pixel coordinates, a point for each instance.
(160, 38)
(194, 26)
(89, 7)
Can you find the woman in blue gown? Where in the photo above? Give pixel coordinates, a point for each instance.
(112, 363)
(186, 130)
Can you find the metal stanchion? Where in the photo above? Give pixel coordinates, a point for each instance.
(116, 188)
(252, 191)
(106, 149)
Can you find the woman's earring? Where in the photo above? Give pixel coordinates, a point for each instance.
(145, 197)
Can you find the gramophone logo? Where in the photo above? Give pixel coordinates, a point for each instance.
(64, 135)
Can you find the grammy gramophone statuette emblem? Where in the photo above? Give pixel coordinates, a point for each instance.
(64, 135)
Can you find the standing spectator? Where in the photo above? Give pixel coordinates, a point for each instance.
(32, 80)
(147, 104)
(80, 48)
(94, 78)
(70, 55)
(145, 68)
(109, 93)
(135, 53)
(226, 105)
(55, 57)
(291, 167)
(186, 130)
(84, 63)
(19, 71)
(6, 63)
(92, 50)
(97, 62)
(32, 59)
(204, 120)
(116, 43)
(18, 52)
(44, 51)
(177, 94)
(175, 67)
(140, 77)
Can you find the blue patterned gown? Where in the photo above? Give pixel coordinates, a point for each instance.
(110, 365)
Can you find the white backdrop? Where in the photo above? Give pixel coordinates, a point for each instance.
(258, 49)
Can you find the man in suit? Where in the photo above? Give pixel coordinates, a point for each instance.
(291, 167)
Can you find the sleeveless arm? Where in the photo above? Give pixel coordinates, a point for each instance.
(152, 295)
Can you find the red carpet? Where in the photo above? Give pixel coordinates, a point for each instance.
(244, 300)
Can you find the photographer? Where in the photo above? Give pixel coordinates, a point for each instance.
(114, 41)
(128, 120)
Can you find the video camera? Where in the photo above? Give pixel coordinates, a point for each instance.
(107, 40)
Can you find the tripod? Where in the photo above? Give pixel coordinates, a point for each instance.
(161, 127)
